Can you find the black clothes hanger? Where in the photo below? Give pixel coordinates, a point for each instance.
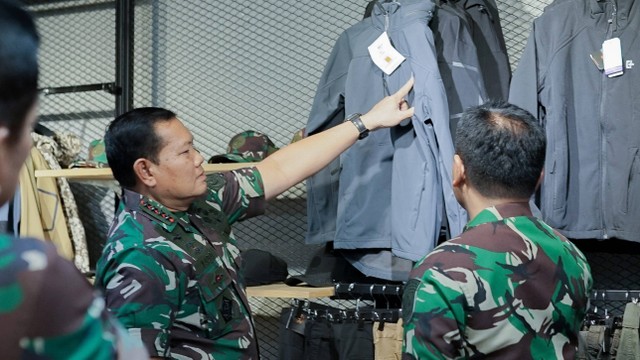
(43, 130)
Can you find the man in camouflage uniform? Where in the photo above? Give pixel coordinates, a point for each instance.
(510, 286)
(48, 310)
(170, 267)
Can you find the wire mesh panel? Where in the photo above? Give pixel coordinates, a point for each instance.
(77, 48)
(516, 18)
(225, 67)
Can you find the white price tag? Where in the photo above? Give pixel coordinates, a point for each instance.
(612, 57)
(384, 54)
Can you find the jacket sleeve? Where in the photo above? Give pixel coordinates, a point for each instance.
(328, 104)
(326, 112)
(525, 83)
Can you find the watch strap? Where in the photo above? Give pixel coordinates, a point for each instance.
(357, 122)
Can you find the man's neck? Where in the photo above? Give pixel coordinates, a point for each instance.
(475, 203)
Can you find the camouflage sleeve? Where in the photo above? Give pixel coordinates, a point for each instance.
(238, 193)
(433, 312)
(68, 319)
(143, 291)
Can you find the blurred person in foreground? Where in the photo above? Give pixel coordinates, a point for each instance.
(48, 310)
(509, 286)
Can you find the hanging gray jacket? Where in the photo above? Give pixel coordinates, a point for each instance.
(392, 185)
(591, 187)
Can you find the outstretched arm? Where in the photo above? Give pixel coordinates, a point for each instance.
(297, 161)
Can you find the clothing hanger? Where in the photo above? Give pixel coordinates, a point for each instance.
(43, 130)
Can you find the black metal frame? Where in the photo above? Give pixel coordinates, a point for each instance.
(122, 88)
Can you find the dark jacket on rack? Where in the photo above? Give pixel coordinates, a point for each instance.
(457, 60)
(489, 40)
(591, 187)
(392, 183)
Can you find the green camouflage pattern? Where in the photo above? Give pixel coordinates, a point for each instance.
(97, 152)
(247, 146)
(172, 278)
(510, 287)
(49, 311)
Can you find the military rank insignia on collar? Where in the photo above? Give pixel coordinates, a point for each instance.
(158, 212)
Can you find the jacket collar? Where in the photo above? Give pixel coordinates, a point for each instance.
(391, 15)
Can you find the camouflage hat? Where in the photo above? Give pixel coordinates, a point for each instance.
(97, 157)
(97, 152)
(248, 146)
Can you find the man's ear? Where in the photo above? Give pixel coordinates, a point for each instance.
(459, 176)
(143, 170)
(4, 133)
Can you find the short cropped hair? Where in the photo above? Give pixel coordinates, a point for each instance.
(132, 136)
(502, 147)
(18, 66)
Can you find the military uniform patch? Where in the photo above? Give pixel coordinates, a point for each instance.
(409, 299)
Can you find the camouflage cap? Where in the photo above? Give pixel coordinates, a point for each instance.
(247, 146)
(97, 151)
(97, 157)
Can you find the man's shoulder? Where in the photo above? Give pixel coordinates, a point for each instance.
(23, 255)
(14, 244)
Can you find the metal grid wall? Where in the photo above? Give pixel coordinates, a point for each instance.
(224, 67)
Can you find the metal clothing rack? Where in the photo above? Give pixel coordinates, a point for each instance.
(315, 311)
(615, 295)
(385, 295)
(611, 302)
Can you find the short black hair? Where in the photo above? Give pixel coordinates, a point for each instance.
(18, 66)
(502, 147)
(132, 136)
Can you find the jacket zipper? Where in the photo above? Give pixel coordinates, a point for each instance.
(611, 27)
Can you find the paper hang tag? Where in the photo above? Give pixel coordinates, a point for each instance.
(612, 57)
(384, 55)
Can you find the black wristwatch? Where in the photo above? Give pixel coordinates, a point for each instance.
(357, 122)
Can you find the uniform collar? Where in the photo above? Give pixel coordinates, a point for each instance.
(500, 212)
(153, 210)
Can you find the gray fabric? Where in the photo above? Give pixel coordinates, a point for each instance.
(629, 347)
(391, 184)
(591, 187)
(380, 263)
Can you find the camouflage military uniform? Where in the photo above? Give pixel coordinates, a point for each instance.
(48, 310)
(509, 287)
(172, 278)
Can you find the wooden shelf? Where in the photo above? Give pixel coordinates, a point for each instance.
(281, 290)
(105, 173)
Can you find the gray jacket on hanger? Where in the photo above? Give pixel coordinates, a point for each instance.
(591, 187)
(392, 186)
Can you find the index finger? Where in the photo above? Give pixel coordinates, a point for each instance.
(404, 90)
